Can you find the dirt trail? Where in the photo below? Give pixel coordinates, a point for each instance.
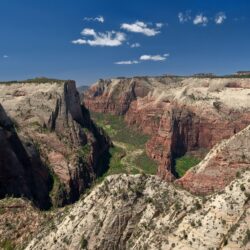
(131, 155)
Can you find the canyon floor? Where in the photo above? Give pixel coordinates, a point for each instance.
(128, 154)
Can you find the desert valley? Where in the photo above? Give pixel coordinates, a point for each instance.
(128, 163)
(124, 125)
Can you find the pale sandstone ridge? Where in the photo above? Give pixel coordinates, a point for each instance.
(142, 212)
(181, 114)
(50, 116)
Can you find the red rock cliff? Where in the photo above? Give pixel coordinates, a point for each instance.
(181, 114)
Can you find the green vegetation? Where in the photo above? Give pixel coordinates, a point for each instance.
(184, 163)
(148, 165)
(247, 237)
(115, 165)
(128, 154)
(117, 129)
(7, 245)
(84, 151)
(35, 80)
(84, 243)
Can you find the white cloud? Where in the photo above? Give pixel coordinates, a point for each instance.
(127, 62)
(154, 57)
(159, 25)
(79, 41)
(108, 38)
(220, 18)
(141, 27)
(200, 20)
(145, 58)
(184, 16)
(5, 56)
(135, 45)
(99, 19)
(88, 32)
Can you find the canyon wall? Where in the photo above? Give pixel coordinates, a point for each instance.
(181, 114)
(51, 117)
(22, 172)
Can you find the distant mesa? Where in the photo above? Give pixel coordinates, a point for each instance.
(204, 75)
(243, 73)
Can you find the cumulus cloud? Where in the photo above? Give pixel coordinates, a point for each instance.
(154, 57)
(5, 56)
(108, 38)
(99, 19)
(220, 18)
(200, 20)
(141, 27)
(127, 62)
(184, 16)
(88, 32)
(135, 45)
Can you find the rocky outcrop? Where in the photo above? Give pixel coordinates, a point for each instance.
(22, 172)
(180, 114)
(115, 96)
(19, 221)
(222, 164)
(51, 116)
(142, 212)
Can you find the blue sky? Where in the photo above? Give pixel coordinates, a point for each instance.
(90, 39)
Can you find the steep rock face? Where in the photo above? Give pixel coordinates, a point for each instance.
(139, 212)
(22, 172)
(222, 164)
(181, 114)
(115, 96)
(51, 116)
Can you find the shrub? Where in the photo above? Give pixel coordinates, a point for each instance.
(238, 174)
(84, 243)
(198, 205)
(247, 237)
(242, 187)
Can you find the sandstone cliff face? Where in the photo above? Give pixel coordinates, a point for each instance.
(22, 172)
(142, 212)
(51, 117)
(181, 114)
(222, 164)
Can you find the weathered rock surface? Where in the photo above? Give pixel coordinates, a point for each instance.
(50, 116)
(142, 212)
(181, 114)
(19, 221)
(221, 165)
(22, 172)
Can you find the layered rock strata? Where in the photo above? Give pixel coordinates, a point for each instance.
(51, 117)
(139, 212)
(181, 114)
